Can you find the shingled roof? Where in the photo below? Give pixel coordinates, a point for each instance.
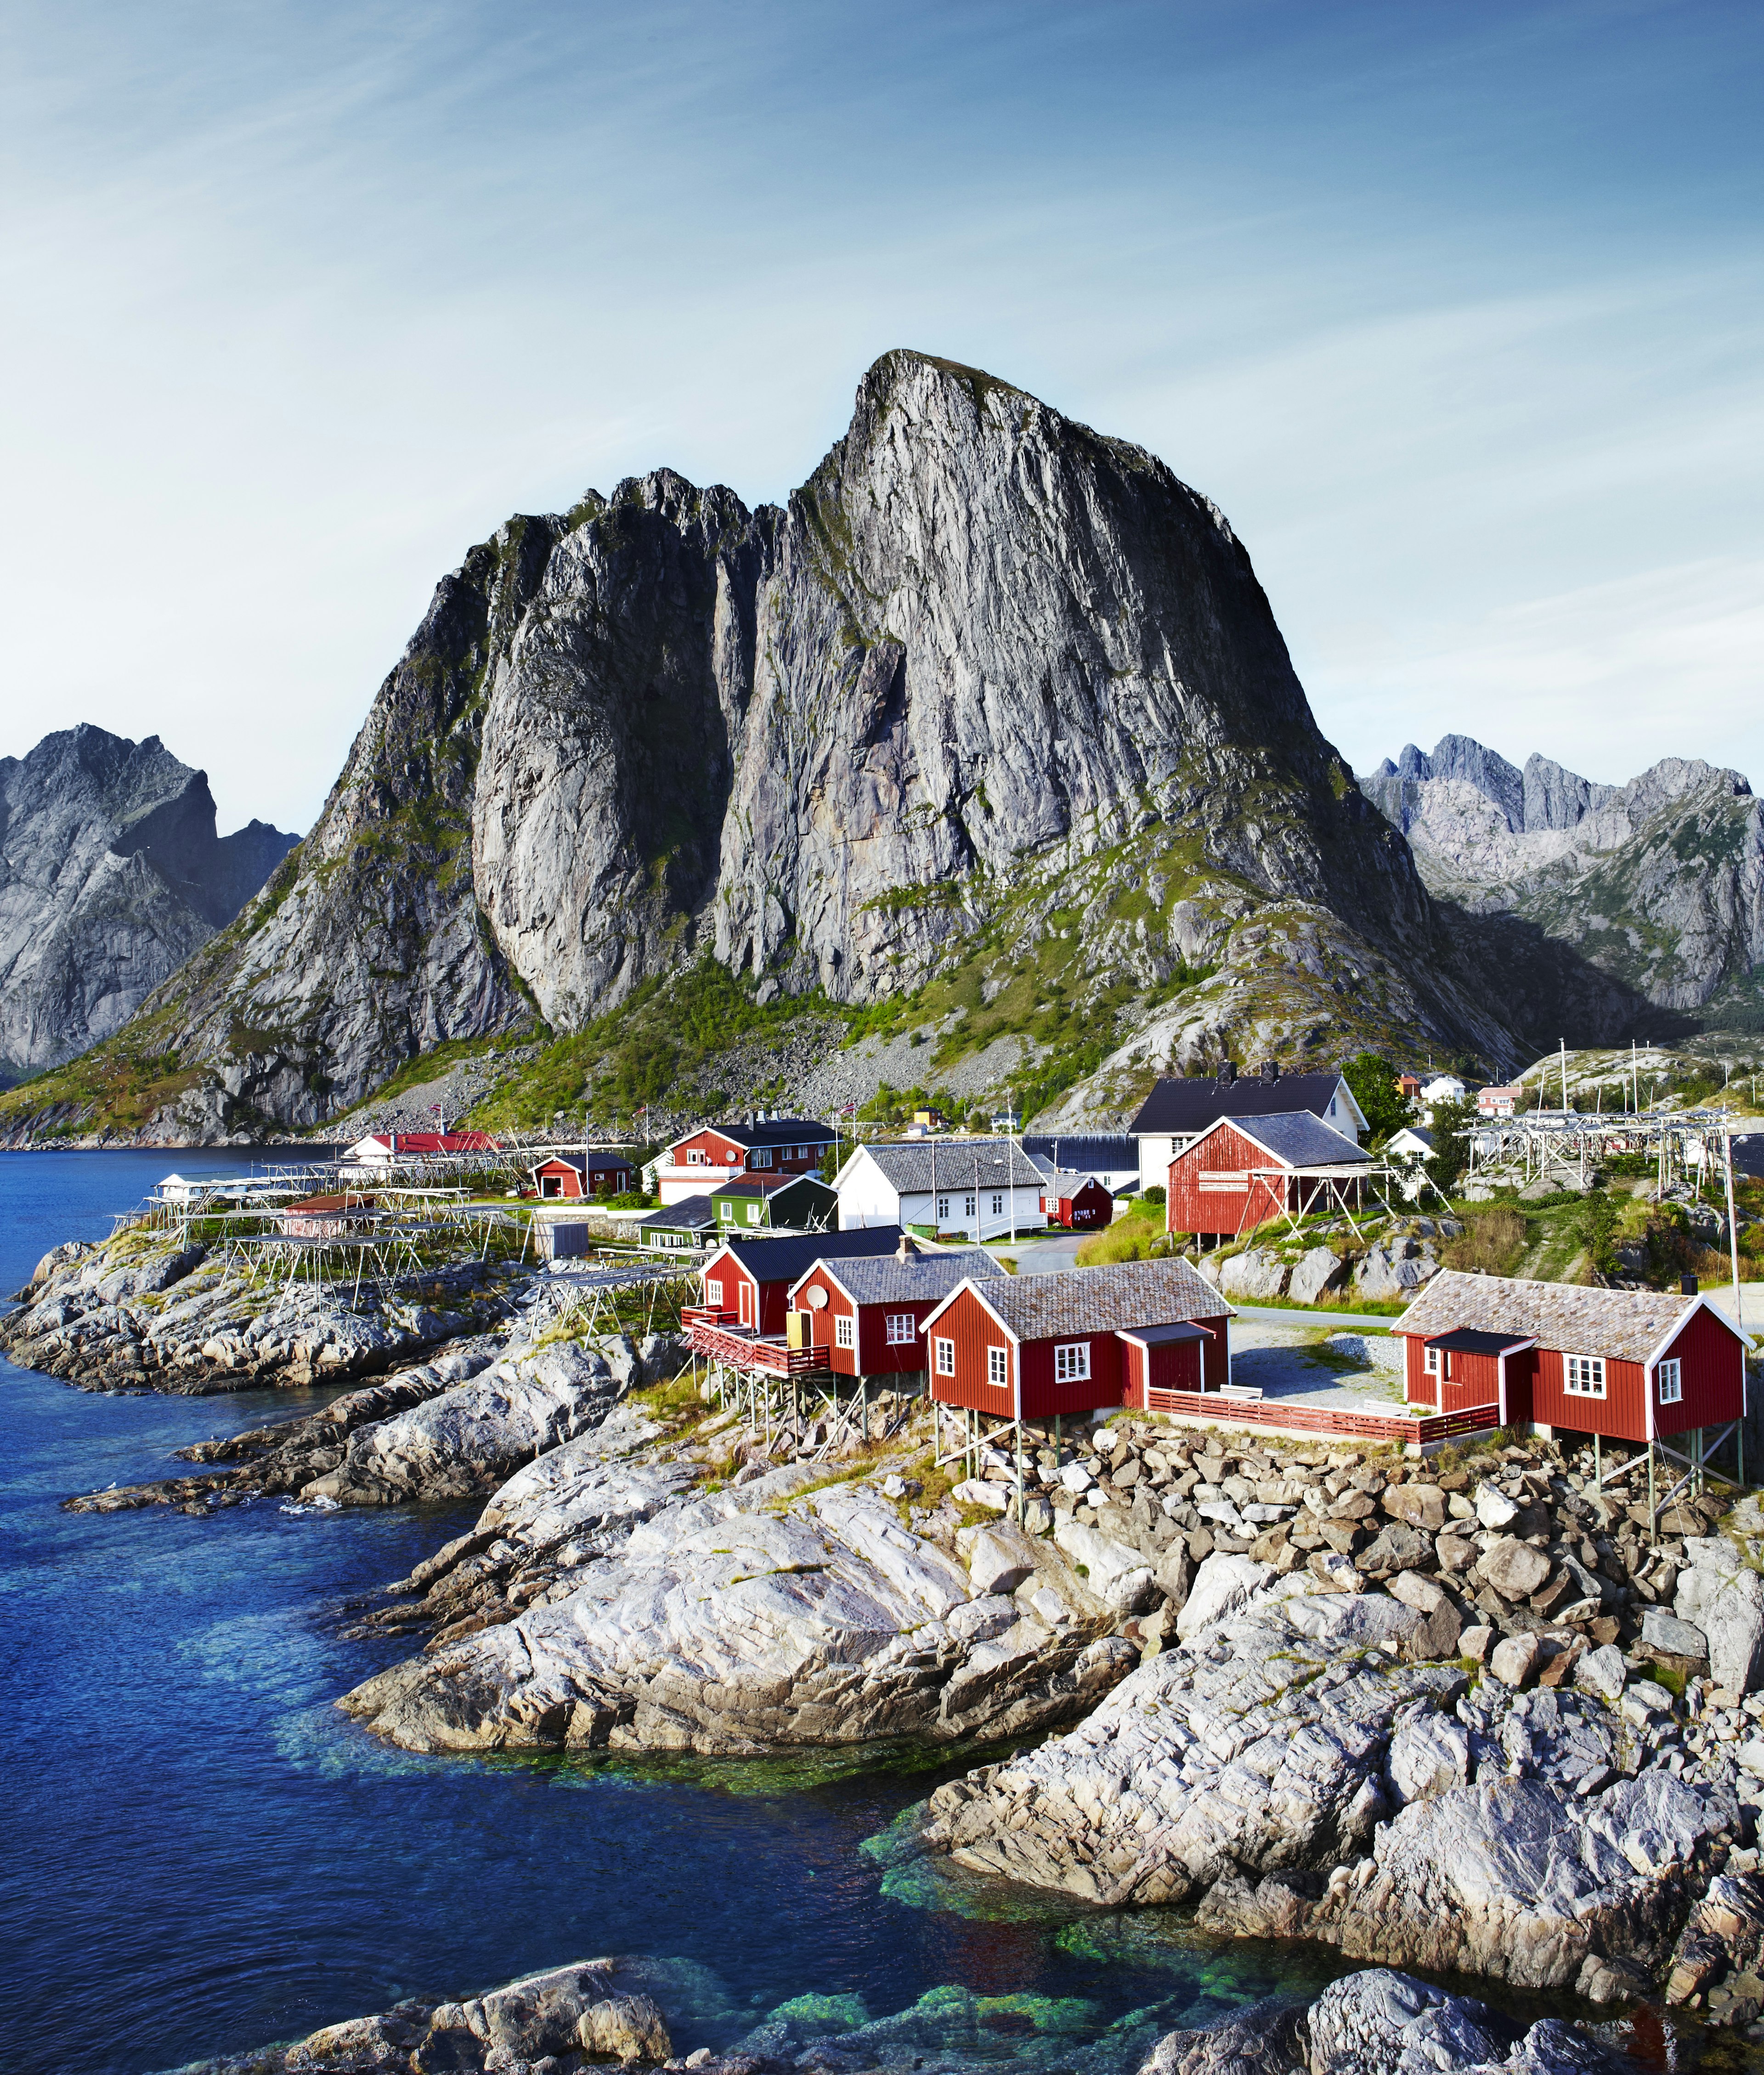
(1299, 1138)
(920, 1278)
(1628, 1325)
(912, 1167)
(1126, 1296)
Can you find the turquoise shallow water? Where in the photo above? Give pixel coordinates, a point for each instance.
(202, 1855)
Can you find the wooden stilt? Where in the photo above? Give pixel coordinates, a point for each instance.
(1019, 1425)
(1654, 1525)
(1598, 1466)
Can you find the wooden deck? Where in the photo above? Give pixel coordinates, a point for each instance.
(720, 1336)
(1287, 1415)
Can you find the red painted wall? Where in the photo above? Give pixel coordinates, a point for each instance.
(720, 1152)
(873, 1354)
(1043, 1396)
(1092, 1206)
(1621, 1413)
(1190, 1208)
(1713, 1366)
(558, 1181)
(974, 1330)
(1475, 1379)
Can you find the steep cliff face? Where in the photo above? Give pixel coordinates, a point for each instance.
(1659, 883)
(111, 875)
(990, 685)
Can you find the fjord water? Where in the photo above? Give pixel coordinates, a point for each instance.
(202, 1855)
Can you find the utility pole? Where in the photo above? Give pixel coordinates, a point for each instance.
(1732, 1228)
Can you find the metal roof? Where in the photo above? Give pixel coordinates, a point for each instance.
(1124, 1294)
(913, 1167)
(1300, 1138)
(1464, 1340)
(772, 1185)
(691, 1212)
(1629, 1325)
(784, 1256)
(1184, 1106)
(921, 1278)
(1158, 1336)
(1089, 1153)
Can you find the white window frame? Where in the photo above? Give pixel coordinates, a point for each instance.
(1072, 1361)
(998, 1368)
(760, 1157)
(901, 1329)
(695, 1156)
(1583, 1376)
(943, 1356)
(845, 1330)
(942, 1209)
(998, 1207)
(967, 1206)
(753, 1213)
(1669, 1381)
(1429, 1361)
(713, 1294)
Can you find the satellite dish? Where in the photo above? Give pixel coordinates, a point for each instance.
(817, 1298)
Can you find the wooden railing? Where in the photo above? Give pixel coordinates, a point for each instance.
(742, 1347)
(1297, 1417)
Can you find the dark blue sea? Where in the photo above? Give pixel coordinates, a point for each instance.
(201, 1855)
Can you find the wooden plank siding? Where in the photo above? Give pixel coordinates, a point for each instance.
(1216, 1209)
(1712, 1371)
(872, 1353)
(1470, 1379)
(966, 1322)
(1043, 1396)
(1621, 1413)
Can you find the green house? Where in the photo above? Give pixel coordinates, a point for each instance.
(798, 1202)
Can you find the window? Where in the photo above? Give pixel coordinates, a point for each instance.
(1672, 1382)
(968, 1207)
(713, 1295)
(760, 1157)
(753, 1214)
(942, 1209)
(1584, 1375)
(995, 1366)
(902, 1329)
(944, 1352)
(998, 1207)
(845, 1333)
(1072, 1361)
(1432, 1361)
(695, 1156)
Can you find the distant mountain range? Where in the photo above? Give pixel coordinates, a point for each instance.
(990, 727)
(1659, 883)
(111, 875)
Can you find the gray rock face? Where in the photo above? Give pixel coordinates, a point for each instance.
(711, 1624)
(1316, 1273)
(830, 744)
(1394, 1268)
(111, 875)
(1383, 2022)
(1723, 1597)
(1660, 882)
(1257, 1272)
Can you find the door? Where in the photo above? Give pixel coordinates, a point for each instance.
(746, 1301)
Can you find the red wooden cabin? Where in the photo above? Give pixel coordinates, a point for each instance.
(1636, 1365)
(569, 1176)
(1243, 1170)
(748, 1282)
(1034, 1347)
(865, 1312)
(1077, 1202)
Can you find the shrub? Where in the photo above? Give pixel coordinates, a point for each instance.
(1154, 1194)
(1493, 1243)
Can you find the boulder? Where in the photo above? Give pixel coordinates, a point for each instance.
(1257, 1272)
(1429, 1752)
(1382, 2022)
(1419, 1506)
(1316, 1273)
(1601, 1671)
(1669, 1637)
(1494, 1508)
(1267, 2038)
(632, 2027)
(1394, 1268)
(999, 1560)
(1514, 1659)
(1116, 1573)
(1720, 1594)
(1515, 1568)
(1221, 1586)
(1396, 1547)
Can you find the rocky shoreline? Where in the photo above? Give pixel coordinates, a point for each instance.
(1474, 1717)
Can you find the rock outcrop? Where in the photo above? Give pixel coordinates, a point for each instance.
(1659, 882)
(111, 875)
(988, 668)
(734, 1622)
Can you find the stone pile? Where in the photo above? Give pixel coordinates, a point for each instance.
(1393, 1266)
(141, 1313)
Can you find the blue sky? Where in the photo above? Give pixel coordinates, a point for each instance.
(1457, 311)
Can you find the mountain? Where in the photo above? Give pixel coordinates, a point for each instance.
(111, 875)
(991, 723)
(1659, 883)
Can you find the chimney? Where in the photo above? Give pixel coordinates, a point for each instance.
(1270, 1071)
(1687, 1286)
(1227, 1073)
(907, 1248)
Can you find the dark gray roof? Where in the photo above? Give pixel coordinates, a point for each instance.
(1126, 1293)
(921, 1278)
(783, 1256)
(1090, 1153)
(1299, 1139)
(775, 1131)
(1185, 1106)
(1464, 1340)
(691, 1212)
(581, 1161)
(774, 1184)
(913, 1165)
(1158, 1336)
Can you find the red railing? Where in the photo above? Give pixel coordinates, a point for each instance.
(1284, 1412)
(742, 1347)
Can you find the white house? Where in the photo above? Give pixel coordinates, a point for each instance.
(1442, 1088)
(983, 1188)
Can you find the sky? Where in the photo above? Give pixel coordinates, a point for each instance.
(1457, 311)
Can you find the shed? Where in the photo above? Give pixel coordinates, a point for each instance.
(1244, 1170)
(1076, 1202)
(1636, 1365)
(566, 1176)
(865, 1312)
(1042, 1346)
(329, 1216)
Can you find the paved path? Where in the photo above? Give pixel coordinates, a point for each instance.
(1358, 1322)
(1046, 1257)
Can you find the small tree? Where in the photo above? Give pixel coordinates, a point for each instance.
(1374, 1081)
(1451, 1130)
